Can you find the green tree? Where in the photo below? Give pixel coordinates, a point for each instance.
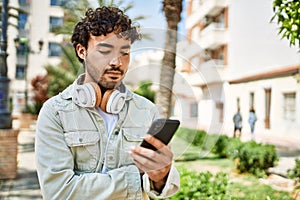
(287, 16)
(59, 77)
(144, 90)
(172, 10)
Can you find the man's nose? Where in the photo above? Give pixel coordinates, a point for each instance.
(116, 61)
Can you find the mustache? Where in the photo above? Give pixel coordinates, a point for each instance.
(114, 69)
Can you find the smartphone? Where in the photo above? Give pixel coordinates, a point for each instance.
(162, 129)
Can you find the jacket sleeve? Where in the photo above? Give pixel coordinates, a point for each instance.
(55, 168)
(173, 180)
(171, 187)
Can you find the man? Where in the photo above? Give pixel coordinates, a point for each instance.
(238, 124)
(252, 119)
(88, 137)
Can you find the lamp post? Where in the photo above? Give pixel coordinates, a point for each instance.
(24, 42)
(5, 114)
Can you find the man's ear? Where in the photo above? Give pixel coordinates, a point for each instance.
(81, 51)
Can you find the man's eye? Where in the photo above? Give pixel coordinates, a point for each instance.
(125, 53)
(104, 52)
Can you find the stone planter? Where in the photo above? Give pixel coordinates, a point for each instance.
(8, 153)
(25, 120)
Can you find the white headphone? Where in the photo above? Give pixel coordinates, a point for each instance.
(89, 95)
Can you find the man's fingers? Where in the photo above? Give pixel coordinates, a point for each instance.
(155, 142)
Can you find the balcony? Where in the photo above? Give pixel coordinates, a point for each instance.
(212, 37)
(207, 8)
(211, 71)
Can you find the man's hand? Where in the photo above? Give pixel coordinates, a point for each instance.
(156, 164)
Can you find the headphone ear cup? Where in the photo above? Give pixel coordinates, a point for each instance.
(113, 101)
(87, 95)
(98, 93)
(105, 99)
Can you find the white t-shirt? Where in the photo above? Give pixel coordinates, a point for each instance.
(110, 121)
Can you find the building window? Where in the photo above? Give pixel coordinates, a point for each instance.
(238, 103)
(289, 106)
(56, 2)
(194, 110)
(251, 100)
(55, 22)
(20, 71)
(22, 21)
(54, 49)
(220, 107)
(24, 2)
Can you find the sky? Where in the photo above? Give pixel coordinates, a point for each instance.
(152, 9)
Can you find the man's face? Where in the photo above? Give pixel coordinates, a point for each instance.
(106, 59)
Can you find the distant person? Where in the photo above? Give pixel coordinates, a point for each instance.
(238, 124)
(252, 119)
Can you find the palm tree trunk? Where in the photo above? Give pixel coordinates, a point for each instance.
(172, 10)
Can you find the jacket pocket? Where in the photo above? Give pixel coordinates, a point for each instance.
(85, 149)
(132, 136)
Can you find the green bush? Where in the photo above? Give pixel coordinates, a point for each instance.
(221, 146)
(226, 147)
(209, 143)
(295, 172)
(255, 158)
(195, 137)
(201, 185)
(233, 147)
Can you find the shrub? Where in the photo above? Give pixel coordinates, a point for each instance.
(201, 185)
(195, 137)
(255, 158)
(39, 88)
(221, 146)
(226, 147)
(295, 172)
(234, 145)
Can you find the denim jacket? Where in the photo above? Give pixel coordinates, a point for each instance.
(72, 145)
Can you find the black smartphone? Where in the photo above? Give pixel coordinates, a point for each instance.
(162, 129)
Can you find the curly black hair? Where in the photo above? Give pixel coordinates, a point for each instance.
(102, 21)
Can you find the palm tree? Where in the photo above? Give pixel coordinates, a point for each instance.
(172, 10)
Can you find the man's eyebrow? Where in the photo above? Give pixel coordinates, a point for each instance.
(105, 45)
(111, 46)
(125, 47)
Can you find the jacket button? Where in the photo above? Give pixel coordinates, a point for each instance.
(110, 157)
(80, 139)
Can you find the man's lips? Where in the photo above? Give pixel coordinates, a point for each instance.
(114, 74)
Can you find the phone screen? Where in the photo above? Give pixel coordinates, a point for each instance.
(162, 129)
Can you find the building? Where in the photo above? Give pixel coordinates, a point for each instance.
(233, 53)
(27, 32)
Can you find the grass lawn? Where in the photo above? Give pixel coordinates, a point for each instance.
(241, 186)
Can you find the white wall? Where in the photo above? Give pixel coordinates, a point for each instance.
(278, 125)
(253, 40)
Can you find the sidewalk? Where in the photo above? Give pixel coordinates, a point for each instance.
(26, 187)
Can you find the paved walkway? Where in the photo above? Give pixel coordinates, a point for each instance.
(26, 187)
